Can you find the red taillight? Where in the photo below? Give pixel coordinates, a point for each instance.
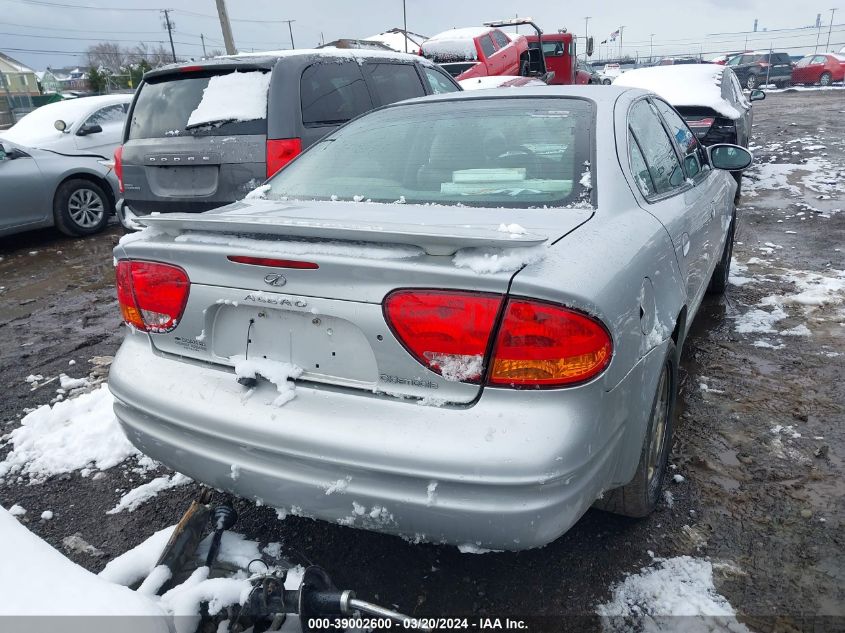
(446, 331)
(272, 263)
(701, 122)
(190, 69)
(280, 152)
(118, 166)
(152, 296)
(538, 344)
(547, 345)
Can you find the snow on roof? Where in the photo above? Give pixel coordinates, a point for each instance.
(683, 85)
(351, 53)
(15, 64)
(396, 39)
(467, 33)
(37, 126)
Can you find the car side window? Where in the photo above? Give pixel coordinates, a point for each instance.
(693, 156)
(394, 82)
(333, 93)
(501, 39)
(658, 150)
(110, 114)
(819, 59)
(487, 45)
(639, 168)
(438, 81)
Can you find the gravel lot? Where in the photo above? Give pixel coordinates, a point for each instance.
(759, 447)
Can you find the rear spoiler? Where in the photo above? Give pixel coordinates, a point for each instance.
(434, 239)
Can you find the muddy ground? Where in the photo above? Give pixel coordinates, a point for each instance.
(759, 439)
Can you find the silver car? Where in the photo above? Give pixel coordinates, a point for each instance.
(457, 319)
(54, 166)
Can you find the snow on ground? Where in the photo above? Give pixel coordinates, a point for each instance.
(29, 563)
(35, 579)
(234, 97)
(143, 493)
(74, 434)
(653, 599)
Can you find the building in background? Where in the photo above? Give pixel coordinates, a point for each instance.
(18, 86)
(49, 82)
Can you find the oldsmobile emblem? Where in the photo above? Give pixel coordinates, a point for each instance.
(275, 279)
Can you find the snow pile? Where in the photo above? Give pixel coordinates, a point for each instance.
(759, 321)
(683, 85)
(259, 193)
(457, 367)
(71, 435)
(814, 289)
(35, 579)
(143, 493)
(653, 599)
(233, 97)
(489, 260)
(280, 374)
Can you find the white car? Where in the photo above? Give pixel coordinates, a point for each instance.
(54, 166)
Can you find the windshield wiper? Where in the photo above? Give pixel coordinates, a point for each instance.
(214, 122)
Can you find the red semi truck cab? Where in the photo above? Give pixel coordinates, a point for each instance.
(559, 50)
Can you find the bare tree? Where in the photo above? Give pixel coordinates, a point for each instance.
(154, 55)
(107, 55)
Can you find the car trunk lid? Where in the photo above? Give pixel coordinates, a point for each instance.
(304, 283)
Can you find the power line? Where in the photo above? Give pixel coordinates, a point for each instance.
(52, 28)
(97, 40)
(62, 5)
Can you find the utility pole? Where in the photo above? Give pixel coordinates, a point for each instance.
(830, 28)
(202, 38)
(405, 24)
(651, 49)
(226, 27)
(586, 24)
(169, 27)
(621, 28)
(290, 30)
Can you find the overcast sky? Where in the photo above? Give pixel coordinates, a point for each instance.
(37, 32)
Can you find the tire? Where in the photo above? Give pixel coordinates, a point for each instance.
(752, 81)
(638, 498)
(80, 207)
(825, 79)
(605, 82)
(719, 281)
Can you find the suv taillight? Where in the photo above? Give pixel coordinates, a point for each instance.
(118, 166)
(280, 152)
(152, 295)
(538, 344)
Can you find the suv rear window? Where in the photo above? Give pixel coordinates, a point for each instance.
(333, 93)
(164, 105)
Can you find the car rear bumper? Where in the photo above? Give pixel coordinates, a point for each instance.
(513, 471)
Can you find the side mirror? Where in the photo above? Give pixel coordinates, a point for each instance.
(85, 130)
(729, 157)
(60, 125)
(590, 46)
(757, 95)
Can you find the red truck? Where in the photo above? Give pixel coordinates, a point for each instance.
(487, 51)
(559, 52)
(477, 52)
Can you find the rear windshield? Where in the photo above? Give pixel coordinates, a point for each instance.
(178, 105)
(517, 152)
(457, 50)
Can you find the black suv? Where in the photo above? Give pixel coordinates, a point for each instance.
(200, 135)
(757, 69)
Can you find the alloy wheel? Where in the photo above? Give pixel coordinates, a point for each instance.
(656, 447)
(86, 208)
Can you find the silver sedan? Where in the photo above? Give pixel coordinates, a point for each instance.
(456, 319)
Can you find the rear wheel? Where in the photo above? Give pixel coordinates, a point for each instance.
(606, 82)
(824, 80)
(80, 207)
(639, 497)
(719, 280)
(752, 81)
